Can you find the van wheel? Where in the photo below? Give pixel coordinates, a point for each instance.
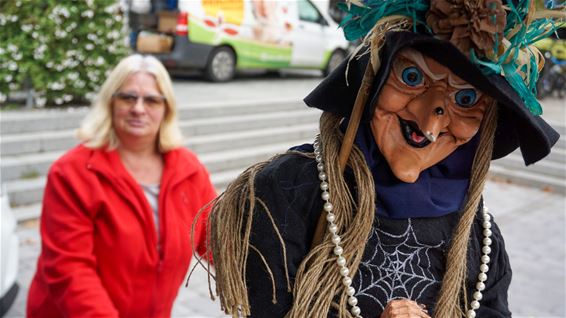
(335, 59)
(221, 65)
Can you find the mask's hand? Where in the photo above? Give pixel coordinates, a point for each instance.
(404, 308)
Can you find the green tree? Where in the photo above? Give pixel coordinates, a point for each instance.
(63, 49)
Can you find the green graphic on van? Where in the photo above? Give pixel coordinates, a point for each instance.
(251, 53)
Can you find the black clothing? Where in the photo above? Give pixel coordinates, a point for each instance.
(403, 258)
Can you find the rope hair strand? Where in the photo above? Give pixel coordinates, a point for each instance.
(318, 281)
(452, 299)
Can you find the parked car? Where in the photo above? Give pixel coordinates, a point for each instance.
(221, 37)
(8, 255)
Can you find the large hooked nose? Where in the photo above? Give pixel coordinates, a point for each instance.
(430, 111)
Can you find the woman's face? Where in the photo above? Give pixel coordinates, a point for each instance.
(138, 109)
(423, 113)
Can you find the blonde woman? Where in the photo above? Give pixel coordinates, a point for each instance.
(118, 208)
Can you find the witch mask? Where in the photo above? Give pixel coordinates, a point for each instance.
(423, 113)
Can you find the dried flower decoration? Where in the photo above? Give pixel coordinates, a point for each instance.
(476, 25)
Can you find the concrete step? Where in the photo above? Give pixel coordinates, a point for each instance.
(557, 154)
(62, 140)
(37, 142)
(45, 141)
(37, 164)
(28, 166)
(531, 179)
(247, 138)
(551, 168)
(27, 212)
(221, 180)
(218, 125)
(231, 108)
(17, 122)
(30, 191)
(25, 191)
(559, 126)
(33, 211)
(242, 158)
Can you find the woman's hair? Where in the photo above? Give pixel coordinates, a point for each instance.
(96, 130)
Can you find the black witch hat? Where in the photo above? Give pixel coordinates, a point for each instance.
(511, 84)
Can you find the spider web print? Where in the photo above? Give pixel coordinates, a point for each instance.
(398, 270)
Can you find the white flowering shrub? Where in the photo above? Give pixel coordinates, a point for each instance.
(63, 49)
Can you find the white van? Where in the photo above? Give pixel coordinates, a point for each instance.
(222, 36)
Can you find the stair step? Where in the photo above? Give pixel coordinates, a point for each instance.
(25, 191)
(17, 122)
(546, 166)
(242, 158)
(36, 142)
(217, 125)
(221, 180)
(557, 155)
(27, 166)
(560, 127)
(522, 177)
(27, 212)
(28, 191)
(37, 164)
(224, 108)
(46, 141)
(32, 211)
(247, 138)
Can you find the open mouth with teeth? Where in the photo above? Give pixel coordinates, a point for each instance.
(412, 134)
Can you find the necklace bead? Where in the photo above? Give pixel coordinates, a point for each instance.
(350, 291)
(352, 301)
(330, 217)
(341, 261)
(336, 239)
(484, 268)
(328, 207)
(333, 228)
(356, 311)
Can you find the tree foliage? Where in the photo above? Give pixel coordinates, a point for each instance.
(62, 49)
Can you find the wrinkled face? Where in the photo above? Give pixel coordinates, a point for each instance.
(138, 109)
(423, 113)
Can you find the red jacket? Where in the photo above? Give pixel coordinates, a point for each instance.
(100, 255)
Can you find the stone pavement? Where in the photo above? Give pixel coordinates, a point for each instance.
(533, 223)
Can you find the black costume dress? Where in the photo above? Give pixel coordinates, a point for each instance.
(403, 258)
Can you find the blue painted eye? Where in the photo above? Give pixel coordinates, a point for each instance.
(466, 97)
(412, 76)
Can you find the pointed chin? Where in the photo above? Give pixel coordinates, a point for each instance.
(407, 161)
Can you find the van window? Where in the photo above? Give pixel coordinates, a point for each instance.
(308, 13)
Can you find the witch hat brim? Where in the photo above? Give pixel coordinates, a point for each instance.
(516, 126)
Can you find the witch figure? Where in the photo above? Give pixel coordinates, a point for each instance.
(383, 216)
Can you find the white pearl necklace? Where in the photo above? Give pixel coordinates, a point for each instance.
(333, 228)
(482, 277)
(341, 260)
